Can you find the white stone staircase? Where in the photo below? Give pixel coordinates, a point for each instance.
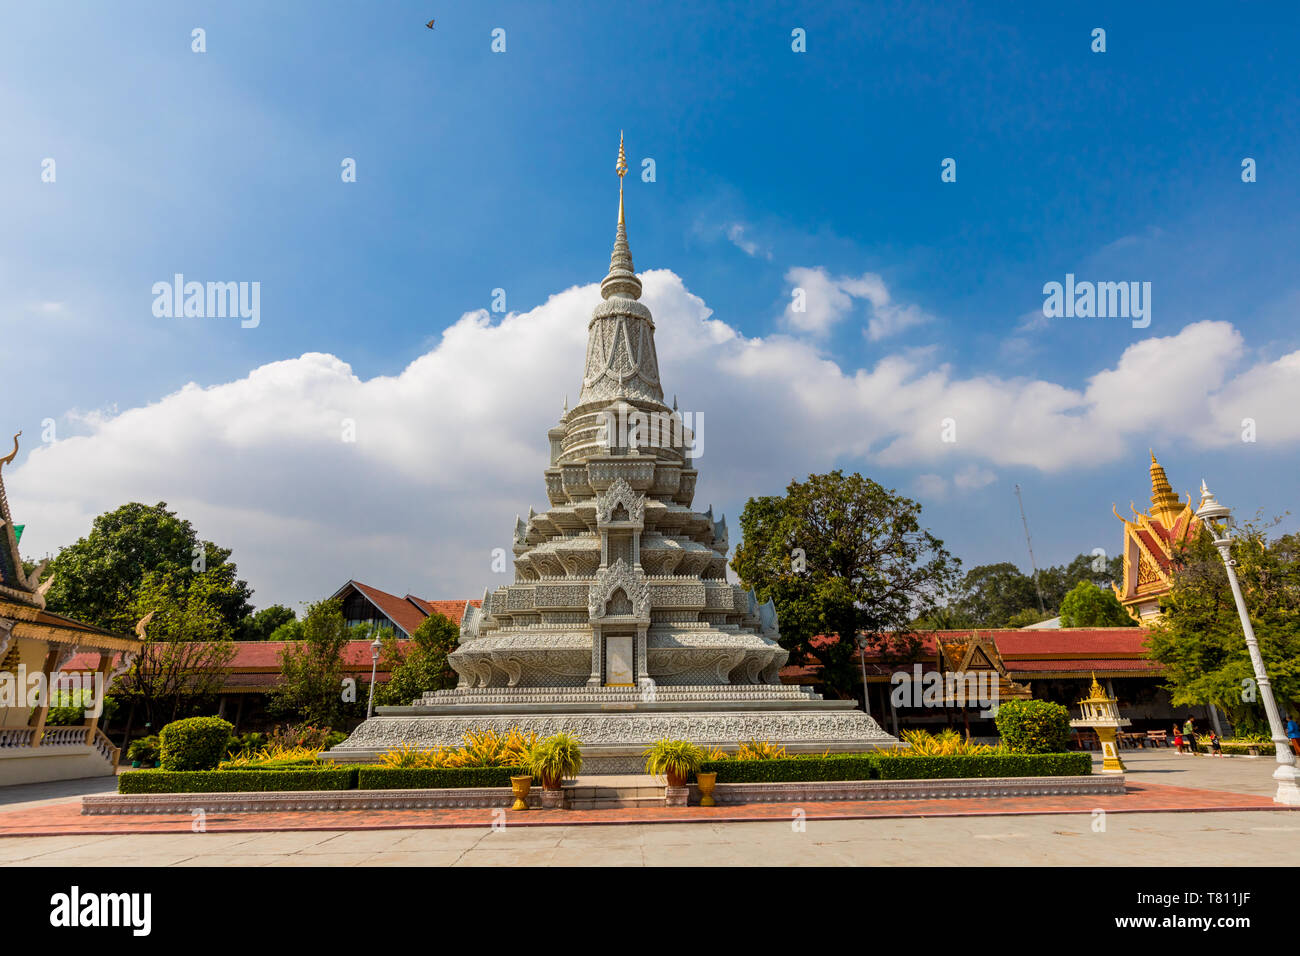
(614, 792)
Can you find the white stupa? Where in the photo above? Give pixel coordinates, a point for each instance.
(620, 625)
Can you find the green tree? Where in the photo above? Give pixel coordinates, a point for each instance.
(1058, 581)
(422, 664)
(311, 669)
(1199, 638)
(841, 556)
(1001, 595)
(187, 649)
(98, 579)
(261, 625)
(991, 594)
(1027, 616)
(1090, 606)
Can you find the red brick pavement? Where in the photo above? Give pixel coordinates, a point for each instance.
(66, 818)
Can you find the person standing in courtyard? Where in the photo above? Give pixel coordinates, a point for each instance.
(1293, 735)
(1178, 738)
(1189, 735)
(1215, 749)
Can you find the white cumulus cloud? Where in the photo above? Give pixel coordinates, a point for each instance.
(449, 449)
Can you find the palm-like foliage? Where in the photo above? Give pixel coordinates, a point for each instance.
(272, 755)
(676, 758)
(948, 743)
(481, 748)
(760, 750)
(556, 757)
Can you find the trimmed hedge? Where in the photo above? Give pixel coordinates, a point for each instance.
(885, 766)
(1236, 749)
(196, 743)
(430, 778)
(791, 769)
(236, 781)
(990, 765)
(1033, 726)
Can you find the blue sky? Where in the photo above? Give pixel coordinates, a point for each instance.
(479, 170)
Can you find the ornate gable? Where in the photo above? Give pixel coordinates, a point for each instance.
(1150, 543)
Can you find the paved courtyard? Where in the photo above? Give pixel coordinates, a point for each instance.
(1073, 836)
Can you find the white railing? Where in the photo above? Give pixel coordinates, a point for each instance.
(16, 737)
(64, 736)
(106, 747)
(23, 737)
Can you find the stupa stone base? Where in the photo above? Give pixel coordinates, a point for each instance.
(615, 733)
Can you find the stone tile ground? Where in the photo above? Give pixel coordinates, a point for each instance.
(1178, 811)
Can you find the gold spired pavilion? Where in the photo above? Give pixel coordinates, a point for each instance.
(1150, 543)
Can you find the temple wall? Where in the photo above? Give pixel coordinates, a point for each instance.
(37, 765)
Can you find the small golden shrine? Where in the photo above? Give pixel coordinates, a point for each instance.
(1150, 541)
(1101, 713)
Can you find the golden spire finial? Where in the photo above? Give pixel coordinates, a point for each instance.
(1164, 503)
(621, 168)
(621, 279)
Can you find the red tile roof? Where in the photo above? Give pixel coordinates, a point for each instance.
(1064, 650)
(407, 612)
(1084, 664)
(452, 609)
(1157, 548)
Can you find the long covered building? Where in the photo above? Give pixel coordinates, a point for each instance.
(1055, 664)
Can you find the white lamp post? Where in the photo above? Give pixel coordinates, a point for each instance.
(374, 665)
(1288, 790)
(862, 657)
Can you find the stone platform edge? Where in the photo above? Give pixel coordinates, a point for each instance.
(725, 794)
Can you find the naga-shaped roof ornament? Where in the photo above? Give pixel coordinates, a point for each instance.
(13, 454)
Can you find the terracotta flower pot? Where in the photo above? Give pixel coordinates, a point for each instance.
(552, 783)
(675, 780)
(706, 782)
(520, 786)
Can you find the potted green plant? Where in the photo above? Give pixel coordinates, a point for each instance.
(143, 752)
(677, 760)
(553, 759)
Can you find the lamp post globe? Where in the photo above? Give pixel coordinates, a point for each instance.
(1218, 519)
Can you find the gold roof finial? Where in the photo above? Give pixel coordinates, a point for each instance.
(1165, 505)
(621, 168)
